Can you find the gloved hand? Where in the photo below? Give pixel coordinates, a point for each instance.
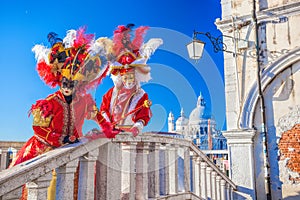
(54, 139)
(70, 139)
(109, 130)
(137, 128)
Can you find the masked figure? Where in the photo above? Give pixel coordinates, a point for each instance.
(126, 105)
(58, 119)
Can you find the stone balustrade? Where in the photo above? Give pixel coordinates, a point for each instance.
(150, 166)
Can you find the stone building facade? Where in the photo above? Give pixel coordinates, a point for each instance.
(262, 62)
(8, 150)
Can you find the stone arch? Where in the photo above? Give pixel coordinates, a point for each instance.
(246, 120)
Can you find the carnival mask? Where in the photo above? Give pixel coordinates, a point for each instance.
(128, 80)
(67, 86)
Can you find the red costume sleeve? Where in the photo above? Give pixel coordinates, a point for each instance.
(105, 105)
(42, 113)
(144, 114)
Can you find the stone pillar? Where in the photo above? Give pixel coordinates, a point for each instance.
(187, 169)
(38, 189)
(228, 191)
(173, 169)
(87, 175)
(108, 171)
(166, 169)
(142, 171)
(3, 159)
(13, 195)
(241, 161)
(208, 180)
(153, 170)
(213, 186)
(65, 180)
(128, 170)
(203, 166)
(197, 185)
(218, 188)
(223, 189)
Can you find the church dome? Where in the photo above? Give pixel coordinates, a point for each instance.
(198, 114)
(182, 120)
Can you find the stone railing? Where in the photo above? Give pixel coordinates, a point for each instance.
(150, 166)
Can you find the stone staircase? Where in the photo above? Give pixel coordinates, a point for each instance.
(150, 166)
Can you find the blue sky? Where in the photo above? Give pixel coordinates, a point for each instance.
(176, 80)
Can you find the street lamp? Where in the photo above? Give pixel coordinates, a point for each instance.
(195, 48)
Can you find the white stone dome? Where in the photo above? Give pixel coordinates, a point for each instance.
(182, 120)
(198, 114)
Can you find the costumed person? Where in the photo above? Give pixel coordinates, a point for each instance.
(75, 66)
(126, 105)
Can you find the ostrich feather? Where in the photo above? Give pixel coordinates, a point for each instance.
(150, 47)
(69, 39)
(41, 53)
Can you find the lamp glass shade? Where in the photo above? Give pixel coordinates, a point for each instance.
(195, 49)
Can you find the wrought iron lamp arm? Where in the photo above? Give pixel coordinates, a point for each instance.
(217, 42)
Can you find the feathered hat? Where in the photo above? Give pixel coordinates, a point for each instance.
(77, 57)
(130, 52)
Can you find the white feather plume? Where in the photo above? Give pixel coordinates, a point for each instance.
(101, 46)
(41, 53)
(69, 39)
(150, 47)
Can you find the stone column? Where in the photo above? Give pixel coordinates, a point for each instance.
(142, 171)
(173, 169)
(208, 180)
(223, 189)
(13, 195)
(3, 159)
(203, 166)
(218, 188)
(197, 185)
(166, 169)
(228, 191)
(38, 189)
(87, 175)
(65, 180)
(153, 170)
(213, 186)
(108, 171)
(187, 169)
(128, 170)
(241, 161)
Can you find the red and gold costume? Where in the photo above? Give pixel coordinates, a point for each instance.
(53, 120)
(126, 104)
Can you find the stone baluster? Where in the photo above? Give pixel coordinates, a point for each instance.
(13, 195)
(166, 168)
(187, 169)
(153, 170)
(223, 189)
(87, 175)
(213, 186)
(173, 169)
(197, 186)
(142, 171)
(208, 181)
(108, 171)
(218, 188)
(3, 163)
(128, 170)
(38, 189)
(65, 180)
(228, 191)
(203, 166)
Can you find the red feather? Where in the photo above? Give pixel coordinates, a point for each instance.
(82, 39)
(45, 73)
(139, 37)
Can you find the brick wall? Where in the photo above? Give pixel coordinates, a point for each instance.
(289, 147)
